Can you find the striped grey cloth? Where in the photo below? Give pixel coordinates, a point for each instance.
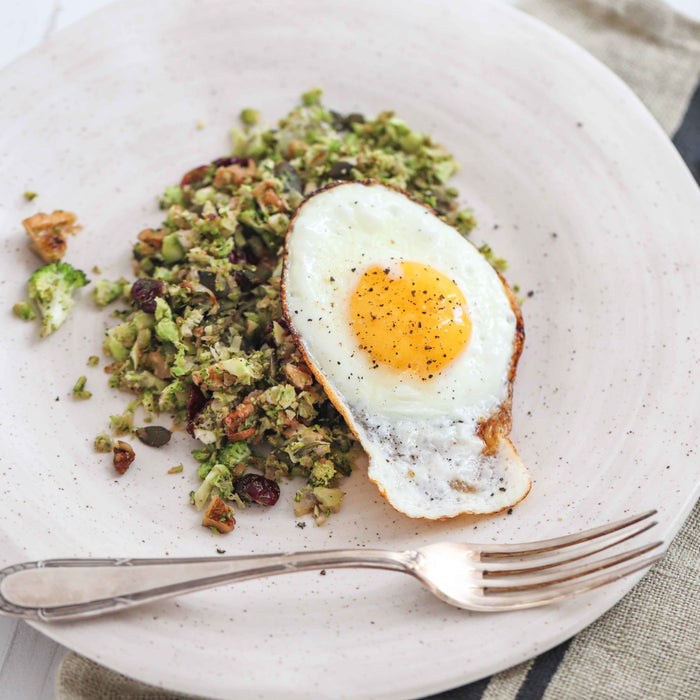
(648, 645)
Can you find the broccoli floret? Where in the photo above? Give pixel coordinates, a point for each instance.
(232, 453)
(322, 473)
(219, 477)
(51, 287)
(106, 291)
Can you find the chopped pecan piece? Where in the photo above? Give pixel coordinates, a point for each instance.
(219, 515)
(123, 456)
(156, 360)
(296, 148)
(49, 233)
(298, 376)
(234, 419)
(267, 197)
(153, 239)
(235, 174)
(241, 435)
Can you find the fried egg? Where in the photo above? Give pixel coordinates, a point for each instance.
(415, 338)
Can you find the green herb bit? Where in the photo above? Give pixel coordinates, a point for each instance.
(175, 470)
(93, 361)
(79, 389)
(29, 195)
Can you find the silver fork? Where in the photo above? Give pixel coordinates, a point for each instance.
(480, 577)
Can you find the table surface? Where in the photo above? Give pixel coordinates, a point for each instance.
(29, 660)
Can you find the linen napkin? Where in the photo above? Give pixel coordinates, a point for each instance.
(648, 645)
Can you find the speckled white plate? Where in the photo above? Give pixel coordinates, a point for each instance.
(572, 181)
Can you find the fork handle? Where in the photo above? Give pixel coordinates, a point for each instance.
(65, 589)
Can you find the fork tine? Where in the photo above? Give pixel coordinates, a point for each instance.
(497, 601)
(527, 548)
(560, 574)
(566, 555)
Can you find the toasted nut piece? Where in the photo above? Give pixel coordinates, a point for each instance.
(233, 420)
(152, 239)
(264, 192)
(241, 435)
(235, 174)
(49, 233)
(298, 376)
(219, 515)
(123, 455)
(159, 364)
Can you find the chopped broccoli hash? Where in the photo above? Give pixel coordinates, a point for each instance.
(205, 339)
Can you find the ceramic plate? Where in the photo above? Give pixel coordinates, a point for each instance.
(571, 180)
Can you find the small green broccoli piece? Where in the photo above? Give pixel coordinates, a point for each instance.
(497, 263)
(203, 453)
(166, 329)
(51, 287)
(123, 423)
(312, 97)
(322, 473)
(218, 477)
(171, 248)
(103, 443)
(79, 391)
(24, 310)
(233, 453)
(172, 195)
(250, 116)
(106, 291)
(203, 469)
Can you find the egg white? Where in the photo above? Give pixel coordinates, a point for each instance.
(421, 436)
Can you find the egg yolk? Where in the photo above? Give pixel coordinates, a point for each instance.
(409, 317)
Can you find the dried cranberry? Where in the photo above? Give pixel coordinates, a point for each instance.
(195, 403)
(145, 291)
(243, 161)
(258, 489)
(194, 176)
(239, 256)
